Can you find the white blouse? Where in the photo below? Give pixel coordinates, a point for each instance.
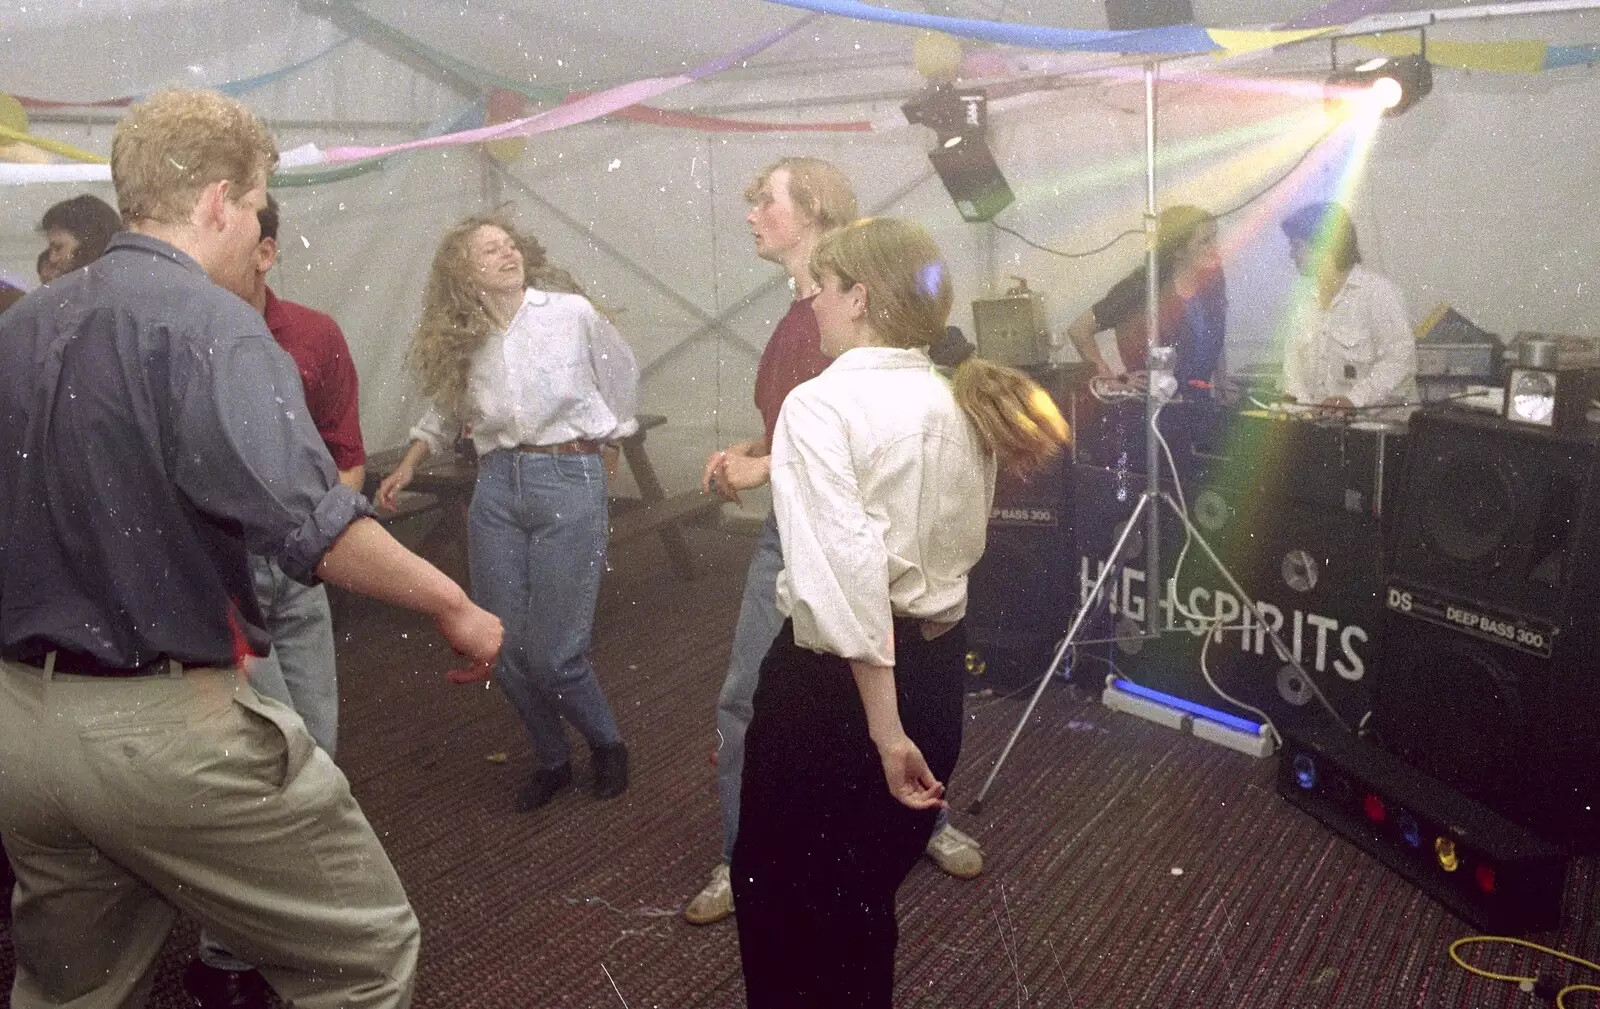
(1359, 347)
(559, 372)
(882, 491)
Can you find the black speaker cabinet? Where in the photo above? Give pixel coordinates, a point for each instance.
(1020, 595)
(1122, 15)
(1315, 571)
(973, 179)
(1489, 871)
(1487, 676)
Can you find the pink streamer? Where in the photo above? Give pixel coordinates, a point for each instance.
(593, 106)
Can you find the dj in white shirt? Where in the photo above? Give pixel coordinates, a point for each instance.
(1351, 346)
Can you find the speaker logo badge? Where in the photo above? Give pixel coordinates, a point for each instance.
(1535, 637)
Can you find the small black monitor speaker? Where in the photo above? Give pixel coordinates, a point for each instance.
(968, 170)
(1125, 15)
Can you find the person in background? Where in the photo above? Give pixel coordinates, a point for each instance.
(1193, 306)
(152, 435)
(76, 232)
(542, 381)
(793, 202)
(883, 474)
(1352, 346)
(299, 670)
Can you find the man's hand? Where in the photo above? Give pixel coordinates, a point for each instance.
(474, 632)
(392, 485)
(907, 774)
(741, 466)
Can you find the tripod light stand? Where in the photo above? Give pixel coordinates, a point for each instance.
(1161, 387)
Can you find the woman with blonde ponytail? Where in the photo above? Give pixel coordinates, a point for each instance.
(883, 472)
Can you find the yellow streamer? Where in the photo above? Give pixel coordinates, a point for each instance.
(1239, 42)
(53, 146)
(1521, 57)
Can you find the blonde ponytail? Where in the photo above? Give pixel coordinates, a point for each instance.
(1015, 418)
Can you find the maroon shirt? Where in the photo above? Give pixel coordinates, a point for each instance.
(327, 374)
(793, 355)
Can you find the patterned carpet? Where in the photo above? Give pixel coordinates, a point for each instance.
(1128, 866)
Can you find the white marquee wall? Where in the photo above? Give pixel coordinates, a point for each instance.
(1481, 196)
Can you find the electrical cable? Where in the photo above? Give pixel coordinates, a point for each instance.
(1019, 236)
(1139, 231)
(1527, 983)
(1216, 621)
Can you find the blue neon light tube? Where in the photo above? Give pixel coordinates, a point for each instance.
(1193, 708)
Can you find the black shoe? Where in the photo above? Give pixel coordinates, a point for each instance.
(610, 770)
(547, 783)
(213, 988)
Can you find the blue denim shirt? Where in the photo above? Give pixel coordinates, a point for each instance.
(152, 433)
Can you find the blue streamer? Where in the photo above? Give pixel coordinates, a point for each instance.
(1176, 40)
(1570, 56)
(237, 88)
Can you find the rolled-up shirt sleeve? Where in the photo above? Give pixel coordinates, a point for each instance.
(836, 563)
(246, 452)
(431, 431)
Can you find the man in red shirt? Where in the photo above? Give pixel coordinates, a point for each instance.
(299, 671)
(793, 202)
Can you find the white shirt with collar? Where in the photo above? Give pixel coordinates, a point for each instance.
(559, 372)
(1360, 346)
(882, 491)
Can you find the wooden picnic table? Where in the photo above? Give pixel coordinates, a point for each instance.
(445, 481)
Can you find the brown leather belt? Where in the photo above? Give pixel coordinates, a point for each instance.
(577, 446)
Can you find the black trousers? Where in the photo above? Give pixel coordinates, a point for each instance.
(822, 845)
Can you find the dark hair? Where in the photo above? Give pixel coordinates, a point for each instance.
(1327, 228)
(268, 218)
(1175, 229)
(87, 218)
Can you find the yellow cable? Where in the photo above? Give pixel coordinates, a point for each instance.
(1521, 978)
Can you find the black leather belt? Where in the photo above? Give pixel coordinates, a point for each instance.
(78, 664)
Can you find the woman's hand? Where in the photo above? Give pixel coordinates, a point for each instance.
(392, 485)
(907, 774)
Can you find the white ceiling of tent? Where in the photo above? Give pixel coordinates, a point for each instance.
(90, 49)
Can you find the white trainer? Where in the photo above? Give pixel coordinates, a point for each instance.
(715, 902)
(955, 852)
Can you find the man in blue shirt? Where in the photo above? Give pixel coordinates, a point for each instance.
(152, 435)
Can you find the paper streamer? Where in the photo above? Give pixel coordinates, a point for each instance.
(235, 88)
(580, 110)
(1176, 39)
(53, 146)
(1500, 57)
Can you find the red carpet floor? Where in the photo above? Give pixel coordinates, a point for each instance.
(1129, 866)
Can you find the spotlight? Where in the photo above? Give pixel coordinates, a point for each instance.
(1444, 850)
(1390, 84)
(1305, 771)
(966, 166)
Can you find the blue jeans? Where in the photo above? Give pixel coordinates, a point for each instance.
(759, 623)
(536, 540)
(298, 673)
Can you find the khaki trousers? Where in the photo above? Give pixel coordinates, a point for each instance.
(126, 801)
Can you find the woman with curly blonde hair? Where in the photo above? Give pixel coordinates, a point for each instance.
(510, 352)
(883, 471)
